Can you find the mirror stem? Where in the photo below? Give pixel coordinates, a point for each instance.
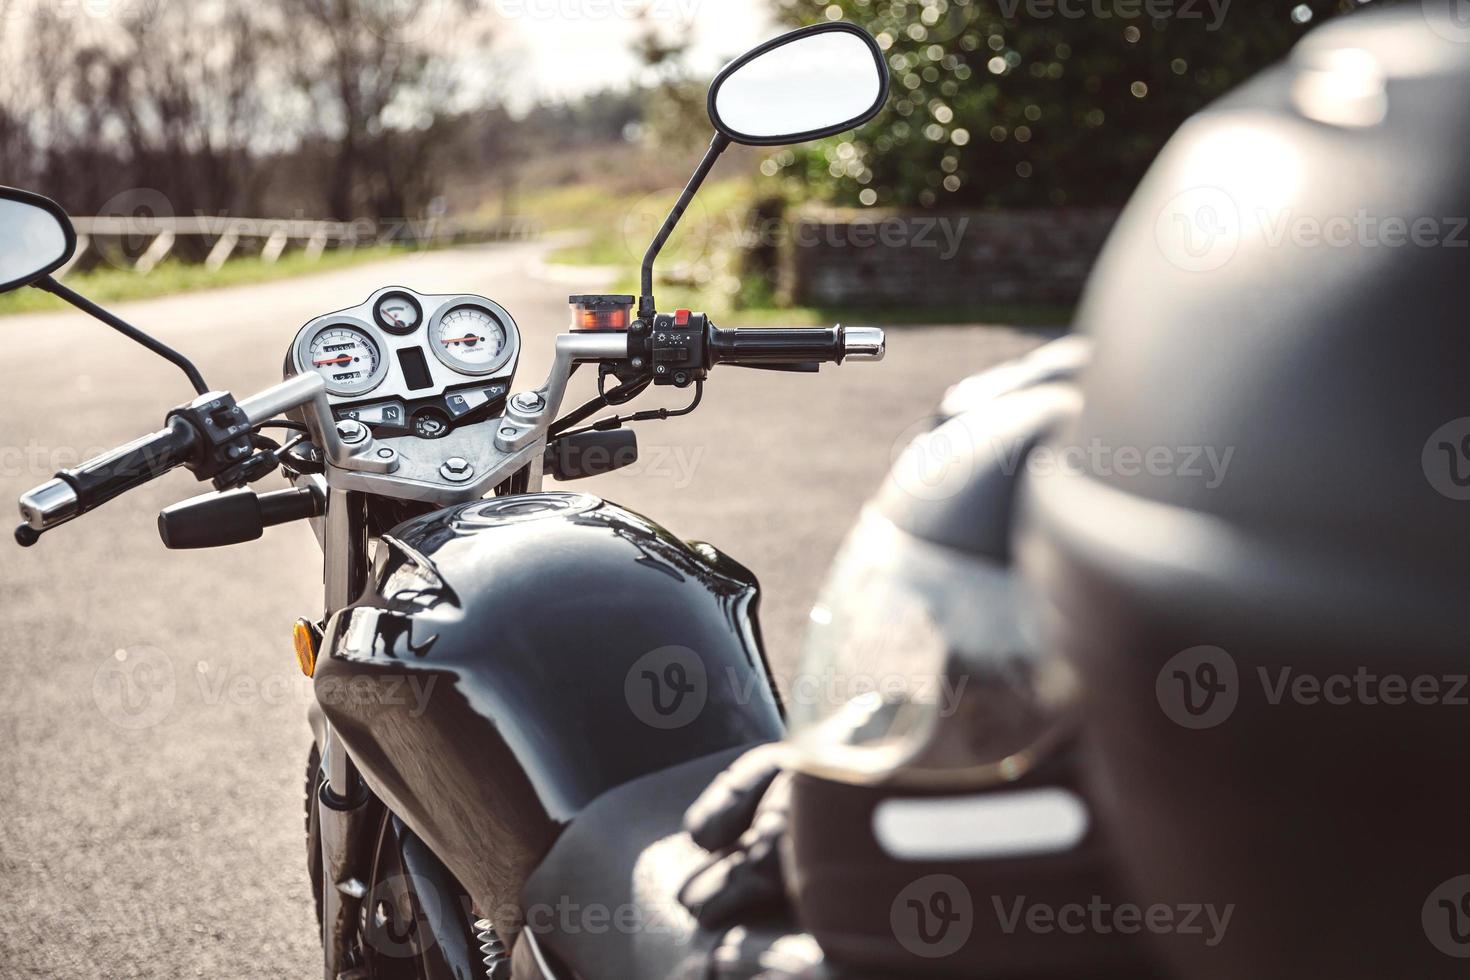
(646, 305)
(81, 302)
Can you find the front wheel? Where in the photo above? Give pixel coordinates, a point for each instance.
(314, 831)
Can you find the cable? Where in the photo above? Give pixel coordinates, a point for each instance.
(620, 395)
(281, 424)
(653, 415)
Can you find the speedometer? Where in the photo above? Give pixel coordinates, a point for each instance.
(471, 340)
(349, 359)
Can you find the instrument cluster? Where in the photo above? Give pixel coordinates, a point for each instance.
(406, 363)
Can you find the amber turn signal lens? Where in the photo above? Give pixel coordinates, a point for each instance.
(304, 638)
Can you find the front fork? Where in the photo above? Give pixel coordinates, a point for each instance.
(343, 799)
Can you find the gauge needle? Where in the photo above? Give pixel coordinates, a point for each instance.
(344, 359)
(461, 340)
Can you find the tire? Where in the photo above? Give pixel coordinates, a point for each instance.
(313, 832)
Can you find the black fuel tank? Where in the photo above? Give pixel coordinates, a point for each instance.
(512, 659)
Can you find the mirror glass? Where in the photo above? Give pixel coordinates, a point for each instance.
(34, 240)
(810, 84)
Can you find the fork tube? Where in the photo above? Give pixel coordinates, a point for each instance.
(342, 802)
(345, 550)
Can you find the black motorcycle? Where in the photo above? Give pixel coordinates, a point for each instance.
(491, 658)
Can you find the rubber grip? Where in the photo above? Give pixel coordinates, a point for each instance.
(776, 345)
(99, 480)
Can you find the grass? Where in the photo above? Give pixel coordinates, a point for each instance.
(111, 285)
(618, 228)
(615, 231)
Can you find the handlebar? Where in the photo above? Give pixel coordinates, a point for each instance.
(214, 432)
(76, 491)
(795, 345)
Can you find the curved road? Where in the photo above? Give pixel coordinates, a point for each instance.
(152, 716)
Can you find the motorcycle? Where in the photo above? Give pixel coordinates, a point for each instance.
(567, 645)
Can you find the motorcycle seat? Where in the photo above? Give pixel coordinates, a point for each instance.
(604, 902)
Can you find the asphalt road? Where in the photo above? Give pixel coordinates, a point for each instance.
(152, 716)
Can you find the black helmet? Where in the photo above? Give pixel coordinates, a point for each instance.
(935, 809)
(1262, 578)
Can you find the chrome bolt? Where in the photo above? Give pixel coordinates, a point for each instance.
(386, 453)
(352, 431)
(509, 432)
(528, 401)
(456, 469)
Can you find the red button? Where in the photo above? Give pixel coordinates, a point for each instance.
(681, 318)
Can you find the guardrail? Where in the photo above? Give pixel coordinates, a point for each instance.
(276, 234)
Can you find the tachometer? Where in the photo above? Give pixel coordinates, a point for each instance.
(471, 340)
(348, 359)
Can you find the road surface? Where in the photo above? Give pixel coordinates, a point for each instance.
(159, 835)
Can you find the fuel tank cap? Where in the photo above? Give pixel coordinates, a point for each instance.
(528, 507)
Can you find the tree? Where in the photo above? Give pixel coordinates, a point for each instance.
(378, 78)
(1023, 103)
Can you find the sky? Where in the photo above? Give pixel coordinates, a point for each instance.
(570, 47)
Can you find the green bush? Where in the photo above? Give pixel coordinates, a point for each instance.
(1024, 103)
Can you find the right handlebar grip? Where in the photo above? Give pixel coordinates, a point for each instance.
(76, 491)
(795, 345)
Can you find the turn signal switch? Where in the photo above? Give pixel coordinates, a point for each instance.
(677, 342)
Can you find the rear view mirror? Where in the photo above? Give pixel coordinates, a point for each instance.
(36, 238)
(811, 83)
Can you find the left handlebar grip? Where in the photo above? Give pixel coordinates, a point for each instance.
(95, 482)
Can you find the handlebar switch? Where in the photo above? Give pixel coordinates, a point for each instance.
(677, 346)
(224, 431)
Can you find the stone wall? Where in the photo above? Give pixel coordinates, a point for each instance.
(942, 260)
